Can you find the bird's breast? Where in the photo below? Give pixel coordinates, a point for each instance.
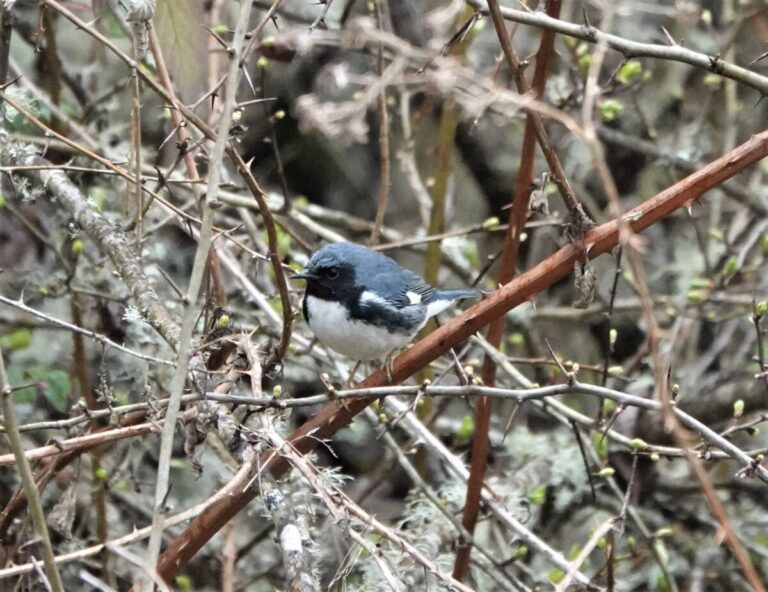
(331, 323)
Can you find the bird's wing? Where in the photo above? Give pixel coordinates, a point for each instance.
(417, 290)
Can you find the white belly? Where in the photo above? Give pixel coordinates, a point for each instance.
(331, 324)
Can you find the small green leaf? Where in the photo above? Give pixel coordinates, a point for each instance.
(600, 443)
(730, 267)
(697, 296)
(466, 428)
(78, 246)
(556, 575)
(538, 496)
(700, 283)
(761, 307)
(629, 70)
(55, 385)
(610, 109)
(601, 543)
(716, 234)
(16, 340)
(184, 583)
(585, 62)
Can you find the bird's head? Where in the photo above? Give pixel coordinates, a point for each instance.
(330, 273)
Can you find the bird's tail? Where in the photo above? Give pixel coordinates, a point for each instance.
(442, 299)
(457, 294)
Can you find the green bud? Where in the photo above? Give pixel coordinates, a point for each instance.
(697, 296)
(538, 496)
(638, 444)
(655, 457)
(700, 283)
(78, 247)
(277, 391)
(761, 307)
(491, 223)
(606, 472)
(628, 71)
(184, 583)
(555, 575)
(716, 234)
(664, 532)
(601, 543)
(610, 109)
(738, 408)
(466, 428)
(730, 267)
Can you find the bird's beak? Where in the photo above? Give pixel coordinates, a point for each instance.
(304, 275)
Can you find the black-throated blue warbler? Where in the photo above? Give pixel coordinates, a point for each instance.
(364, 305)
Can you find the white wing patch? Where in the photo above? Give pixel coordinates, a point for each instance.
(371, 297)
(413, 297)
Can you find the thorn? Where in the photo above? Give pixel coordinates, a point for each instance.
(671, 40)
(758, 58)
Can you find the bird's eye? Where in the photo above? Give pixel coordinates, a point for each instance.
(332, 273)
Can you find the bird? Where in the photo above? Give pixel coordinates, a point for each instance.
(364, 305)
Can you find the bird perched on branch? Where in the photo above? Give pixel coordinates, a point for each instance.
(364, 305)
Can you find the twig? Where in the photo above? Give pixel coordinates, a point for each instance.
(383, 116)
(74, 328)
(238, 480)
(28, 480)
(417, 430)
(579, 218)
(631, 49)
(190, 314)
(80, 443)
(589, 546)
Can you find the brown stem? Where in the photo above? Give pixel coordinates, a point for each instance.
(509, 258)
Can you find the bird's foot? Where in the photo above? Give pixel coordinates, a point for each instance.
(389, 366)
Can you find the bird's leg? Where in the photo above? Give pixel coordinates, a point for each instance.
(351, 379)
(389, 365)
